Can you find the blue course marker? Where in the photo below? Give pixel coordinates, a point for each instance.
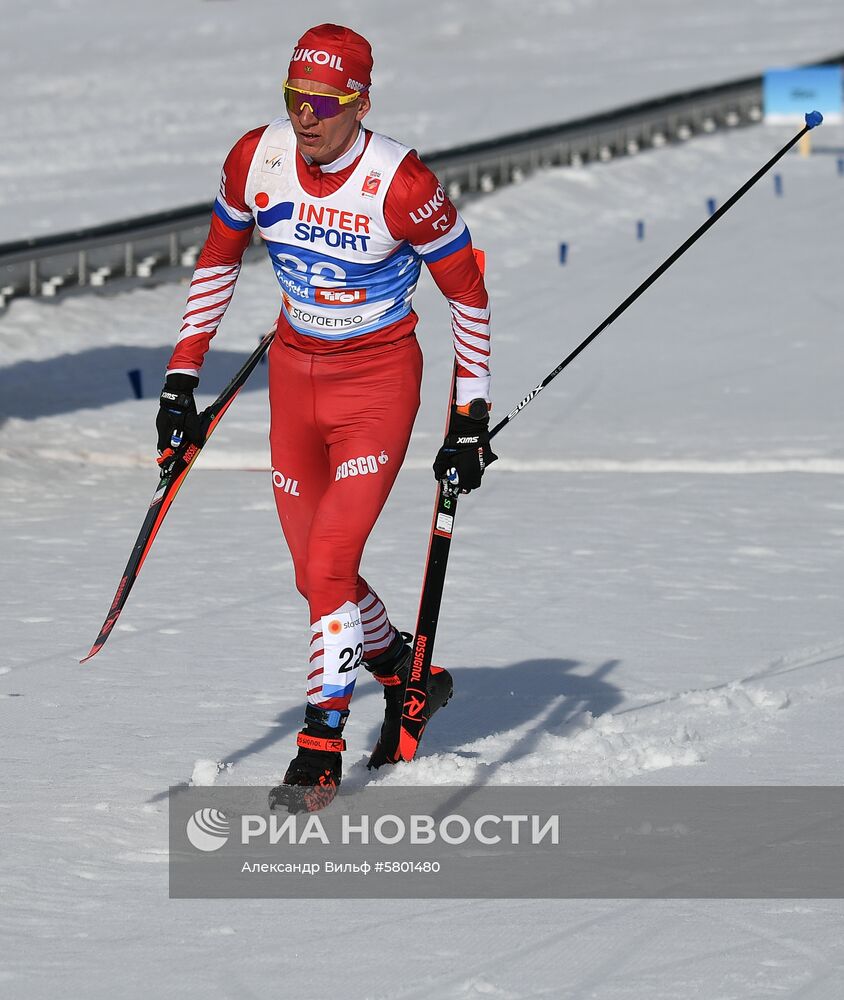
(778, 185)
(135, 378)
(813, 118)
(564, 252)
(841, 165)
(711, 206)
(640, 230)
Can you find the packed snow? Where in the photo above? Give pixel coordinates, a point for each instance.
(647, 589)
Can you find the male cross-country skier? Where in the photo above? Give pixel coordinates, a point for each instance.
(348, 217)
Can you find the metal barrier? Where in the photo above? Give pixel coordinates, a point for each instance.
(482, 167)
(164, 246)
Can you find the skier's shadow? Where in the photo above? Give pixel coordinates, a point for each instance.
(542, 695)
(537, 696)
(98, 377)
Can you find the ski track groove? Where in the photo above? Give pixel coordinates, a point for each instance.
(546, 945)
(685, 960)
(215, 611)
(789, 944)
(776, 668)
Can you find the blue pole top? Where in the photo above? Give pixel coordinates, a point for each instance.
(813, 118)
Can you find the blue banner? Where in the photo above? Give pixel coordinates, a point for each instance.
(789, 93)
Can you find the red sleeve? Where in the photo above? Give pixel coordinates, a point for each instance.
(459, 277)
(218, 265)
(235, 172)
(232, 222)
(418, 210)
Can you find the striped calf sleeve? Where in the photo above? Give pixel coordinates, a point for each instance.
(378, 631)
(315, 665)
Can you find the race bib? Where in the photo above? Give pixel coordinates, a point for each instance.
(342, 637)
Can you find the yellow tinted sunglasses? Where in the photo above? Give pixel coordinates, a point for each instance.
(320, 105)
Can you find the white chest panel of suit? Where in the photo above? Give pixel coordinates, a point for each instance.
(342, 274)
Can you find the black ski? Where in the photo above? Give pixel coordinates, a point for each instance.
(174, 468)
(415, 710)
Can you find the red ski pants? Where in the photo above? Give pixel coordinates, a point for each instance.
(339, 430)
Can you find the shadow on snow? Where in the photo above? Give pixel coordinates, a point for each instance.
(98, 377)
(487, 700)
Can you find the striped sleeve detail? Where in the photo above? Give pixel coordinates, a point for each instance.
(470, 333)
(211, 290)
(218, 265)
(460, 280)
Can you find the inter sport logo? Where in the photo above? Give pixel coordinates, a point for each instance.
(208, 829)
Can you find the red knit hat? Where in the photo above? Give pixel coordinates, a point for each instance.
(334, 55)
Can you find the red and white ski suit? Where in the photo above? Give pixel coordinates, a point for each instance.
(346, 241)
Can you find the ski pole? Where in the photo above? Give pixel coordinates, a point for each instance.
(175, 463)
(813, 119)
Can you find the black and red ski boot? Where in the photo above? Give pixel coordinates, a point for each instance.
(390, 669)
(314, 774)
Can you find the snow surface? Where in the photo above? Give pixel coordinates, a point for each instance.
(647, 590)
(660, 547)
(120, 109)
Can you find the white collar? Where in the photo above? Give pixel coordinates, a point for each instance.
(342, 161)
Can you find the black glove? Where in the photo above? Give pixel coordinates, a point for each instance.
(177, 413)
(465, 453)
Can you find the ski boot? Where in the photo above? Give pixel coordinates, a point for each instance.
(391, 669)
(314, 774)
